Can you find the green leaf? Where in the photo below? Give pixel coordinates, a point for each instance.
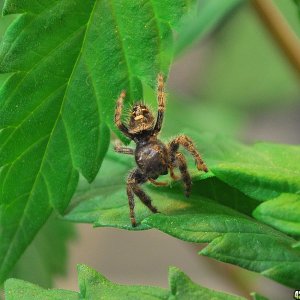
(262, 171)
(261, 252)
(16, 289)
(256, 296)
(64, 64)
(47, 256)
(5, 22)
(183, 288)
(204, 18)
(297, 245)
(230, 233)
(282, 213)
(222, 193)
(93, 285)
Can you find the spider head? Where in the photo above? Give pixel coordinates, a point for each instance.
(141, 119)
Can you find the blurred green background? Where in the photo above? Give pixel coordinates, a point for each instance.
(241, 80)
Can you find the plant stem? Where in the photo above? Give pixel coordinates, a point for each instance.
(286, 38)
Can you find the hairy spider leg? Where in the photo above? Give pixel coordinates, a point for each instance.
(161, 99)
(187, 143)
(172, 174)
(118, 115)
(135, 178)
(123, 150)
(157, 183)
(186, 178)
(131, 205)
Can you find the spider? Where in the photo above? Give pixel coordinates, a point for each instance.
(153, 158)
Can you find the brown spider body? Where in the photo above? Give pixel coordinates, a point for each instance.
(152, 156)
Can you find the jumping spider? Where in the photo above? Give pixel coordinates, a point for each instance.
(152, 156)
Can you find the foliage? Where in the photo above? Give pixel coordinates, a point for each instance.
(256, 296)
(58, 98)
(206, 216)
(95, 286)
(62, 65)
(282, 212)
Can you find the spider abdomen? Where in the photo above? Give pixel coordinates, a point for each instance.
(152, 158)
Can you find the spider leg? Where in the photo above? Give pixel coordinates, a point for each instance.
(144, 198)
(186, 178)
(161, 99)
(135, 178)
(157, 183)
(188, 144)
(118, 115)
(172, 174)
(131, 205)
(123, 150)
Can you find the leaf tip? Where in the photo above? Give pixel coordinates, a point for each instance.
(173, 274)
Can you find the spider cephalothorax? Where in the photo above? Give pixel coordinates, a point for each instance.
(153, 158)
(141, 119)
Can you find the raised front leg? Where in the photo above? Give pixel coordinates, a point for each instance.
(118, 115)
(188, 144)
(135, 178)
(161, 99)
